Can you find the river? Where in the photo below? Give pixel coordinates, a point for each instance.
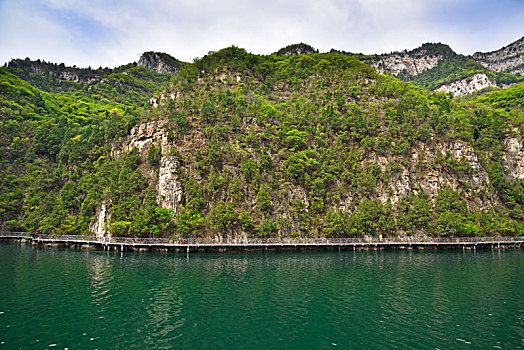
(65, 298)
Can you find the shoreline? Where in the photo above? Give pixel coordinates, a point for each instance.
(269, 246)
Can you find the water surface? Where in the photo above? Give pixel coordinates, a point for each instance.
(62, 298)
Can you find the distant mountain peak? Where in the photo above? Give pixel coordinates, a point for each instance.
(435, 49)
(159, 62)
(413, 62)
(57, 71)
(509, 59)
(297, 49)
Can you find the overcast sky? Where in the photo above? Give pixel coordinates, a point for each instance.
(114, 32)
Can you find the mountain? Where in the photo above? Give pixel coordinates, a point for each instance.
(509, 59)
(413, 62)
(159, 62)
(438, 67)
(297, 49)
(236, 144)
(25, 68)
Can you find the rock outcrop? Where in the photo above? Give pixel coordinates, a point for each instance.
(98, 228)
(58, 71)
(142, 137)
(159, 62)
(433, 165)
(514, 158)
(440, 68)
(466, 86)
(509, 59)
(425, 171)
(169, 188)
(413, 64)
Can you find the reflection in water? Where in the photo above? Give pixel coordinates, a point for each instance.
(78, 299)
(99, 270)
(164, 310)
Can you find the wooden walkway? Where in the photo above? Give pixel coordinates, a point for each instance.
(263, 244)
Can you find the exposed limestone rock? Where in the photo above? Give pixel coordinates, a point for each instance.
(231, 236)
(477, 176)
(430, 168)
(143, 136)
(99, 226)
(58, 71)
(169, 186)
(469, 85)
(414, 64)
(156, 100)
(432, 177)
(509, 59)
(514, 159)
(73, 76)
(298, 193)
(159, 62)
(401, 186)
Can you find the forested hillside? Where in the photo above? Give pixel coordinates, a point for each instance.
(236, 144)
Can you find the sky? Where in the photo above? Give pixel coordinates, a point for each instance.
(110, 33)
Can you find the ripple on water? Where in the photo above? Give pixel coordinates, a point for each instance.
(348, 300)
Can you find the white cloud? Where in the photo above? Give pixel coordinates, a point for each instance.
(110, 33)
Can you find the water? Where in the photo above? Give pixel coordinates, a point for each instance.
(59, 298)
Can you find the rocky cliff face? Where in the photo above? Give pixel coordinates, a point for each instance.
(58, 71)
(427, 171)
(437, 67)
(433, 165)
(98, 227)
(159, 62)
(509, 59)
(514, 158)
(169, 186)
(412, 63)
(466, 86)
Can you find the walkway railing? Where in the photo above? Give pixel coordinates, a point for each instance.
(259, 241)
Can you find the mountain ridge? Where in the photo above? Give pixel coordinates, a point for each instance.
(438, 67)
(508, 59)
(432, 66)
(236, 144)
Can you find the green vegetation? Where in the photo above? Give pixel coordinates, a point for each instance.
(296, 145)
(452, 67)
(297, 49)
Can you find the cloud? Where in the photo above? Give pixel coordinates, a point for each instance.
(114, 32)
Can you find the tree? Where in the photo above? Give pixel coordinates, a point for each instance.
(263, 200)
(154, 155)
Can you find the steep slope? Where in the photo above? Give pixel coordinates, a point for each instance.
(304, 151)
(127, 84)
(27, 68)
(159, 62)
(241, 145)
(509, 59)
(413, 62)
(438, 67)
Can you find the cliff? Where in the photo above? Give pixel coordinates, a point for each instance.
(437, 67)
(468, 85)
(57, 71)
(159, 62)
(509, 59)
(412, 62)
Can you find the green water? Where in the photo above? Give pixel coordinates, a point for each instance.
(56, 298)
